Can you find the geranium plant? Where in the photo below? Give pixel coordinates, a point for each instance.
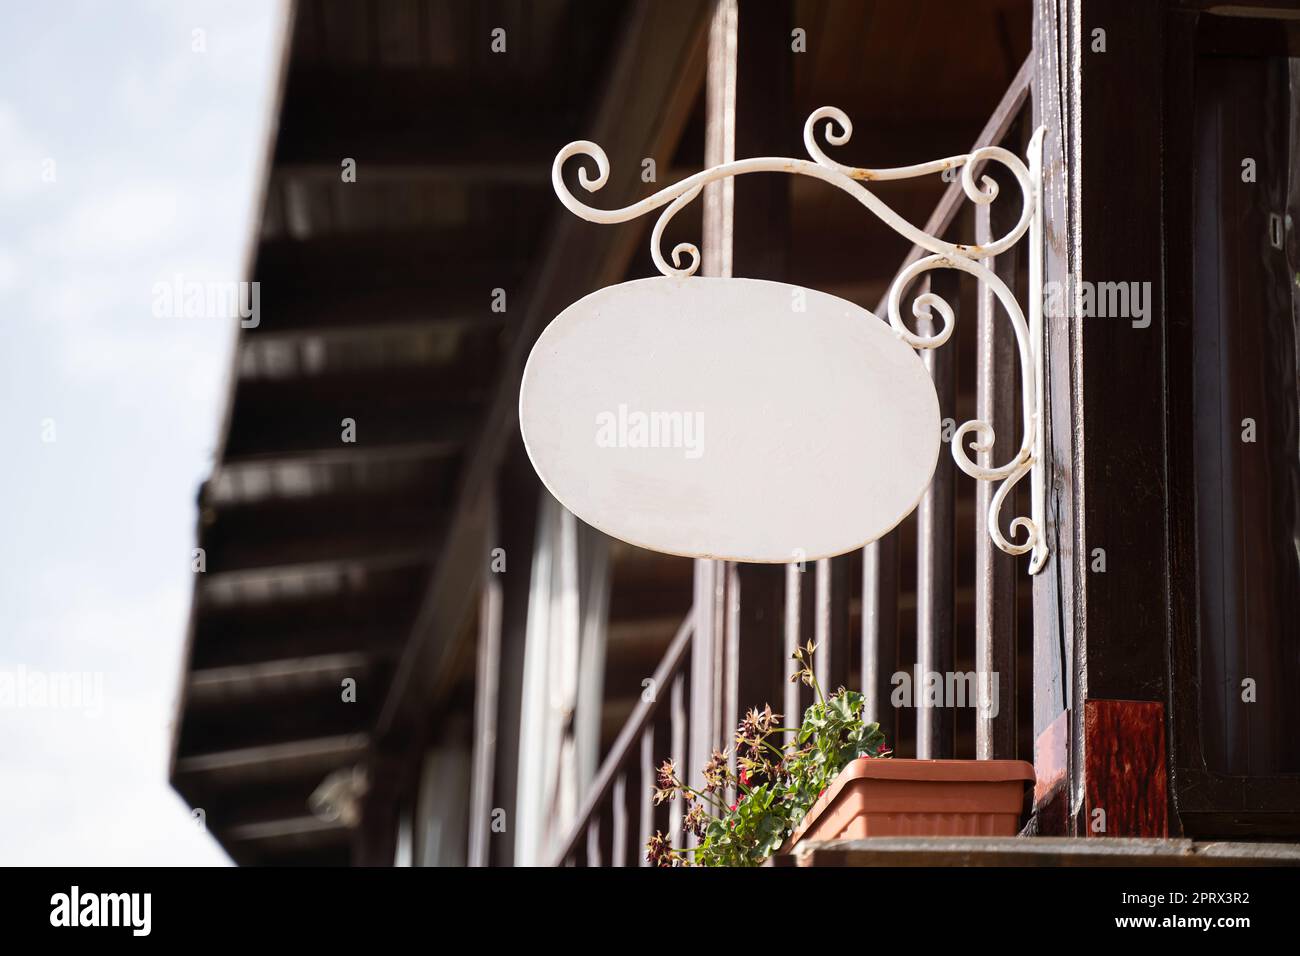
(776, 781)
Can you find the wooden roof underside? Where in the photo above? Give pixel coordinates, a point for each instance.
(328, 559)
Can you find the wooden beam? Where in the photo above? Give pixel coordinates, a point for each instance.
(413, 117)
(410, 468)
(256, 589)
(368, 456)
(279, 531)
(331, 102)
(425, 341)
(527, 164)
(378, 634)
(377, 390)
(277, 798)
(1041, 851)
(300, 831)
(298, 417)
(421, 297)
(373, 259)
(213, 687)
(270, 760)
(364, 599)
(285, 717)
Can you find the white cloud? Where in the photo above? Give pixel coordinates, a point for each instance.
(8, 271)
(151, 96)
(21, 156)
(133, 217)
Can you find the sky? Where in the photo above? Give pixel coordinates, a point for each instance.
(130, 153)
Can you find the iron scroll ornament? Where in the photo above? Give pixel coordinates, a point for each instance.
(966, 258)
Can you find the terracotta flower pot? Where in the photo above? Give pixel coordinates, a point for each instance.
(892, 797)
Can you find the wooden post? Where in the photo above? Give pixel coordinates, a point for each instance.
(1101, 605)
(516, 524)
(1056, 95)
(486, 688)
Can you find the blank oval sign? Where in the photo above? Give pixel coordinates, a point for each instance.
(729, 418)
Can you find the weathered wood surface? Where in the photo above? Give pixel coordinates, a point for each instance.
(1040, 851)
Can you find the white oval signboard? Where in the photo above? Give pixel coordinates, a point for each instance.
(729, 418)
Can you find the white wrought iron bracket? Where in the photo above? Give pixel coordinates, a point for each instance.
(1026, 534)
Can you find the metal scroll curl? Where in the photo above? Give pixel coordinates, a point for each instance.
(837, 127)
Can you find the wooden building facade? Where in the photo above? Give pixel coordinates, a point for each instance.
(403, 650)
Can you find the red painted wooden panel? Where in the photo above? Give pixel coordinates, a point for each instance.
(1125, 768)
